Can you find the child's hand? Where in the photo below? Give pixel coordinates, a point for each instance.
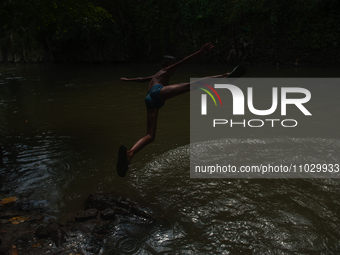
(122, 79)
(206, 48)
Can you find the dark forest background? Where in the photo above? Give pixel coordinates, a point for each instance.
(270, 31)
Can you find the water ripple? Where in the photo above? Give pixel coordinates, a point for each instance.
(257, 216)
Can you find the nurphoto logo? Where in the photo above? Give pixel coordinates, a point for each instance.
(238, 106)
(264, 128)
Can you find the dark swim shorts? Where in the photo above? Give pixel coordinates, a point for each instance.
(152, 98)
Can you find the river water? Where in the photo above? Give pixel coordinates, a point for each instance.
(61, 126)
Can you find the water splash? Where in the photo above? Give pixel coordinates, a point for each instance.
(245, 215)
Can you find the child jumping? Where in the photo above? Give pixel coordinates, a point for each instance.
(159, 91)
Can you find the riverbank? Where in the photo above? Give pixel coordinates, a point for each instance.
(243, 54)
(25, 231)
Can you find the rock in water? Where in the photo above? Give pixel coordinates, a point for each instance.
(57, 234)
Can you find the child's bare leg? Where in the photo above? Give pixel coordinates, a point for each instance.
(152, 114)
(170, 91)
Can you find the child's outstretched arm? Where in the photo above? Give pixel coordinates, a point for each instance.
(206, 48)
(139, 79)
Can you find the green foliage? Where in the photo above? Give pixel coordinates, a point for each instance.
(147, 29)
(59, 21)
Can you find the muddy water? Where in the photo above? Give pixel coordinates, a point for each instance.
(61, 126)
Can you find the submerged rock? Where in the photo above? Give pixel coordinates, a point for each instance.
(108, 214)
(88, 214)
(87, 233)
(117, 205)
(42, 232)
(57, 234)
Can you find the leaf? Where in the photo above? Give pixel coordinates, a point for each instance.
(17, 220)
(8, 200)
(14, 250)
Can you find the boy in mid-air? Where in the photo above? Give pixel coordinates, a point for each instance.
(158, 92)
